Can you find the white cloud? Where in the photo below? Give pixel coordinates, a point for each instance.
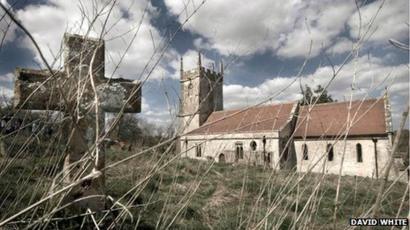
(371, 77)
(128, 27)
(201, 44)
(232, 29)
(389, 23)
(319, 23)
(6, 87)
(159, 116)
(6, 79)
(285, 27)
(341, 46)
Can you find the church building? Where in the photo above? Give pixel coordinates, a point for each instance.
(327, 133)
(282, 136)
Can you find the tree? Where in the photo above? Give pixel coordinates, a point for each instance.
(310, 97)
(307, 95)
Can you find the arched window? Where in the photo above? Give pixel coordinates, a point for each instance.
(305, 152)
(221, 158)
(198, 151)
(359, 152)
(239, 150)
(253, 145)
(264, 144)
(330, 153)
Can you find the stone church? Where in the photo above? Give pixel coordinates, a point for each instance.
(282, 136)
(323, 137)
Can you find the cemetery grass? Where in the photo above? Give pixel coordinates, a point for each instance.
(190, 194)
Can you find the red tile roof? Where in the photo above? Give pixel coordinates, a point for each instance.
(330, 119)
(256, 119)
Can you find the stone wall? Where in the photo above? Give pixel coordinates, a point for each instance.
(317, 156)
(212, 146)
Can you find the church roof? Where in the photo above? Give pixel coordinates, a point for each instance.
(254, 119)
(330, 119)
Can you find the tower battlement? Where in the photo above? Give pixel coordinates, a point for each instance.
(192, 73)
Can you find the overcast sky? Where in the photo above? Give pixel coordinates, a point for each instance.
(264, 44)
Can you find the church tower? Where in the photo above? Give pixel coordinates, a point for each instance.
(201, 94)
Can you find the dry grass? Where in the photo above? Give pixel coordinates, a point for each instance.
(227, 197)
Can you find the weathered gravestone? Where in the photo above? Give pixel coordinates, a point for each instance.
(83, 93)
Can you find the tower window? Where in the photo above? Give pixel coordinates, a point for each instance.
(198, 151)
(305, 152)
(330, 153)
(253, 145)
(359, 152)
(190, 86)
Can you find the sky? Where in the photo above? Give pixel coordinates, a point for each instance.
(269, 47)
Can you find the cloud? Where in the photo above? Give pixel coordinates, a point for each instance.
(6, 87)
(389, 23)
(129, 36)
(201, 44)
(284, 27)
(287, 28)
(341, 46)
(370, 79)
(158, 116)
(320, 22)
(232, 29)
(6, 79)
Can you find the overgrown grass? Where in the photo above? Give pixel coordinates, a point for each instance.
(227, 196)
(190, 194)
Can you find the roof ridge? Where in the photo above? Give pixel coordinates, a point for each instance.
(252, 107)
(340, 102)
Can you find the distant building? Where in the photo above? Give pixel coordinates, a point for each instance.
(306, 138)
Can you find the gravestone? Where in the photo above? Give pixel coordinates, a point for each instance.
(83, 94)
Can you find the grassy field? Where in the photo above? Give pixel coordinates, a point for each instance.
(206, 195)
(189, 194)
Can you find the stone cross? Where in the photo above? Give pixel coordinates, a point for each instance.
(83, 93)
